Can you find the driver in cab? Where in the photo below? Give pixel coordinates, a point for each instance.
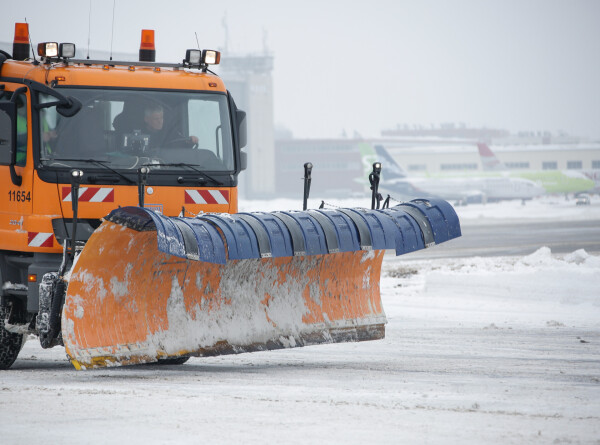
(159, 137)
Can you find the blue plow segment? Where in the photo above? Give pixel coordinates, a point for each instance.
(216, 238)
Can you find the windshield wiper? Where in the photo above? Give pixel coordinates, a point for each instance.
(190, 166)
(97, 162)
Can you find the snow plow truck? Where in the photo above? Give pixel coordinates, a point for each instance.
(120, 236)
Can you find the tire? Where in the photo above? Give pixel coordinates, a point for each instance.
(173, 361)
(10, 344)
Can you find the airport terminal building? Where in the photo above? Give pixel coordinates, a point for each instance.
(339, 169)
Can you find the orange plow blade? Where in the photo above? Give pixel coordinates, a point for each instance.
(147, 287)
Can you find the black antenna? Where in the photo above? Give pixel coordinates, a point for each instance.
(30, 43)
(112, 31)
(89, 29)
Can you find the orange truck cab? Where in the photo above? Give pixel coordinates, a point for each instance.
(88, 136)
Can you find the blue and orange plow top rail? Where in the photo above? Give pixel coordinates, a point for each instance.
(404, 228)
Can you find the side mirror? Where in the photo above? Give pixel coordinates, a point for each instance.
(8, 131)
(243, 160)
(242, 131)
(70, 109)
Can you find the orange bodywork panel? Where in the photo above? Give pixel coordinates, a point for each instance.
(129, 303)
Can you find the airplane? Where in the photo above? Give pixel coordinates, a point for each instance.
(553, 181)
(468, 189)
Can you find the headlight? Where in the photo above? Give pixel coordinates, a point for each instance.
(48, 49)
(66, 50)
(193, 56)
(211, 57)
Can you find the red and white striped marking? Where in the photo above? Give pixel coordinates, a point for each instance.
(90, 194)
(40, 239)
(207, 196)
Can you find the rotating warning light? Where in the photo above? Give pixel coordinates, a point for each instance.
(147, 50)
(21, 41)
(21, 33)
(47, 49)
(211, 57)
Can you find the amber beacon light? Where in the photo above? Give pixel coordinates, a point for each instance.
(147, 50)
(21, 41)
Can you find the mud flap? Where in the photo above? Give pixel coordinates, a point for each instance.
(148, 287)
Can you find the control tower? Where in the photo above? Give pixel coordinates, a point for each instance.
(249, 79)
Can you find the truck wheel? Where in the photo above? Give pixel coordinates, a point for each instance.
(10, 344)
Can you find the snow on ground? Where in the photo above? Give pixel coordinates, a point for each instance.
(500, 350)
(517, 291)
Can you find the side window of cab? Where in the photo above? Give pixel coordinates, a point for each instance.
(6, 129)
(22, 130)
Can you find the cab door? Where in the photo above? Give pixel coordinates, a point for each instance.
(16, 199)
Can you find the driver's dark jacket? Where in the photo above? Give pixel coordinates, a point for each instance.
(164, 138)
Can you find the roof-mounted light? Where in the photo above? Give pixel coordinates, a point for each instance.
(211, 57)
(47, 49)
(193, 57)
(21, 41)
(147, 50)
(66, 50)
(21, 33)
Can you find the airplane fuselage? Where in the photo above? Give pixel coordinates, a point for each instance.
(499, 188)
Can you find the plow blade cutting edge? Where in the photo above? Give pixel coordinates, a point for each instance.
(148, 287)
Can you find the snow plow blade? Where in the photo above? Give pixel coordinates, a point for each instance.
(149, 287)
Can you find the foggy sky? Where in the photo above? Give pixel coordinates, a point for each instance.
(367, 66)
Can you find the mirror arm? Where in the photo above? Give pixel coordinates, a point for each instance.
(50, 104)
(67, 106)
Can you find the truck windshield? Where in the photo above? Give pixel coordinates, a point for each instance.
(126, 129)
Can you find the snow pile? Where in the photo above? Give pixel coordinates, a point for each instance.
(535, 290)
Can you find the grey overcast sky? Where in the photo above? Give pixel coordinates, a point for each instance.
(367, 66)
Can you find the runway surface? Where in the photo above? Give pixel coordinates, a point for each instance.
(522, 238)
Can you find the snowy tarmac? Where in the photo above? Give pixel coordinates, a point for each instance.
(495, 350)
